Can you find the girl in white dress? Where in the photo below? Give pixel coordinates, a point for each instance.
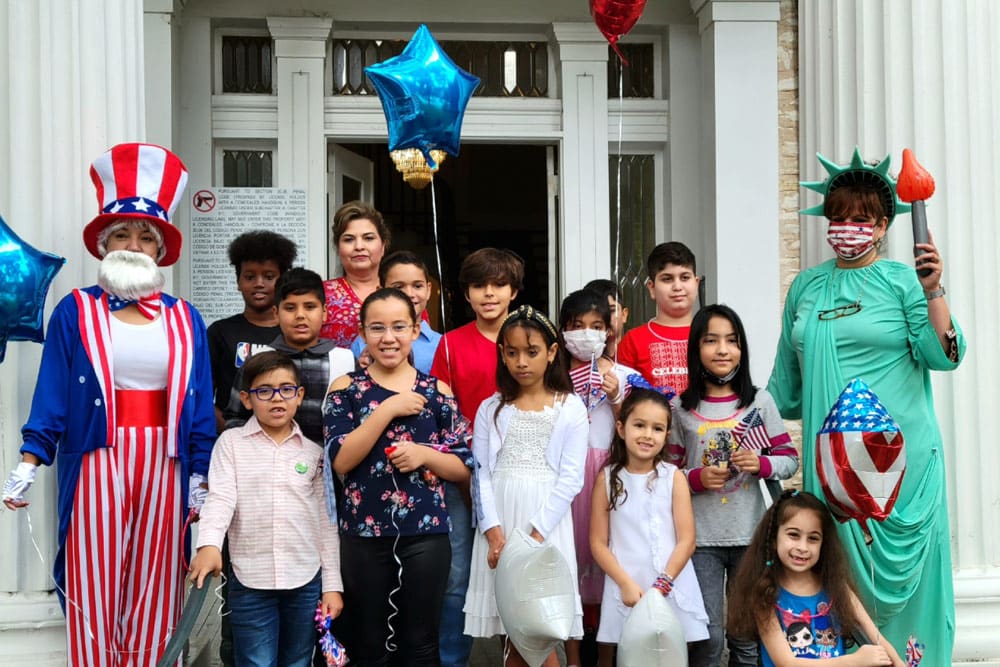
(642, 524)
(530, 445)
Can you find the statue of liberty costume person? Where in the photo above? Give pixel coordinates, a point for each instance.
(123, 405)
(863, 316)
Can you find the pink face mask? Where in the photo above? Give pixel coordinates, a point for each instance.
(851, 240)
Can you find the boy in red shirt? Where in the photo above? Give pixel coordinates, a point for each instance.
(658, 350)
(466, 360)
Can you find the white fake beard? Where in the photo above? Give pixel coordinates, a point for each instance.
(129, 275)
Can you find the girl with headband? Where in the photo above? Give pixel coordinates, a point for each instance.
(530, 445)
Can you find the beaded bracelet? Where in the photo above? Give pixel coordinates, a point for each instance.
(664, 583)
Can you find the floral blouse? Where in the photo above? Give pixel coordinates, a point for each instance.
(343, 313)
(377, 500)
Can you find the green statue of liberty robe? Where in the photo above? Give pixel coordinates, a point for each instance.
(904, 575)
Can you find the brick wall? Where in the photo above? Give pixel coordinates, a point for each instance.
(788, 139)
(788, 165)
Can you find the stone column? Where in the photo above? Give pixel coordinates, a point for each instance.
(583, 156)
(300, 49)
(888, 75)
(71, 85)
(739, 166)
(159, 58)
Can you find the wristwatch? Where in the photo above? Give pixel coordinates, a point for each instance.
(934, 294)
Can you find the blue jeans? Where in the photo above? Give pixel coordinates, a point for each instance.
(455, 646)
(715, 567)
(273, 628)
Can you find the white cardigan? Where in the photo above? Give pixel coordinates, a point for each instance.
(566, 454)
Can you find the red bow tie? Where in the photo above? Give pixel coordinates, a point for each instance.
(149, 306)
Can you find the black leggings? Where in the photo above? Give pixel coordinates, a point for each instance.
(370, 573)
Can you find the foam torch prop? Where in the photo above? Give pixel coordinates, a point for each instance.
(915, 186)
(860, 458)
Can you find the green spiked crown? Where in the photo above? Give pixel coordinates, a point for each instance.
(857, 173)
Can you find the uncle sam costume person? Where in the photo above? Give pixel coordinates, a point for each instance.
(123, 403)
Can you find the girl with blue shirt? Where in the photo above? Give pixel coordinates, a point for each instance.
(794, 592)
(394, 434)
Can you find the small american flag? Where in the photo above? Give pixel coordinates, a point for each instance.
(914, 652)
(751, 433)
(587, 384)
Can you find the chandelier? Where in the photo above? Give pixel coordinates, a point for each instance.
(414, 167)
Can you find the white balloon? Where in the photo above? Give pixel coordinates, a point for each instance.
(652, 635)
(535, 595)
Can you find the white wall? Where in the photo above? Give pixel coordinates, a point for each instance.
(889, 74)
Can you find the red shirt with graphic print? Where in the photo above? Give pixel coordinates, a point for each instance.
(658, 352)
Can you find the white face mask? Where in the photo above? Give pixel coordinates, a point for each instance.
(585, 344)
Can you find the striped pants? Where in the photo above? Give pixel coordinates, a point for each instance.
(124, 578)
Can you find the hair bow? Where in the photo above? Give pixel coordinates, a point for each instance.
(636, 381)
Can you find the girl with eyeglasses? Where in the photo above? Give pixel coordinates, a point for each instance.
(860, 315)
(395, 435)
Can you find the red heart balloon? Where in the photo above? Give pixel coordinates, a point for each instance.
(614, 18)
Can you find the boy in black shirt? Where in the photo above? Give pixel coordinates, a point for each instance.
(259, 257)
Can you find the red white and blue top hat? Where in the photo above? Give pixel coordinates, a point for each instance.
(141, 182)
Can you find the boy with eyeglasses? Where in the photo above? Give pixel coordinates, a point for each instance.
(280, 569)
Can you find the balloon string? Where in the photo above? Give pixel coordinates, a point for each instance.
(117, 486)
(83, 613)
(192, 513)
(871, 564)
(618, 195)
(223, 607)
(390, 644)
(440, 270)
(69, 601)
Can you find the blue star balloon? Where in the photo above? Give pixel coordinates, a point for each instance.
(423, 95)
(25, 274)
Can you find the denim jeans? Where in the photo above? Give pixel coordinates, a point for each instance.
(715, 567)
(456, 646)
(273, 628)
(384, 636)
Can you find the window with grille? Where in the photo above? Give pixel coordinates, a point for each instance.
(637, 220)
(505, 69)
(246, 64)
(637, 77)
(246, 169)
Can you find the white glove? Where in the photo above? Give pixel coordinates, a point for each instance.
(19, 482)
(197, 491)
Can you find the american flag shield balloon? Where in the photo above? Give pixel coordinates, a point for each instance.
(860, 457)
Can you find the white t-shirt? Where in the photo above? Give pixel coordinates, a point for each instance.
(140, 354)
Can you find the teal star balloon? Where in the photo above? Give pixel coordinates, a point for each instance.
(424, 95)
(25, 274)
